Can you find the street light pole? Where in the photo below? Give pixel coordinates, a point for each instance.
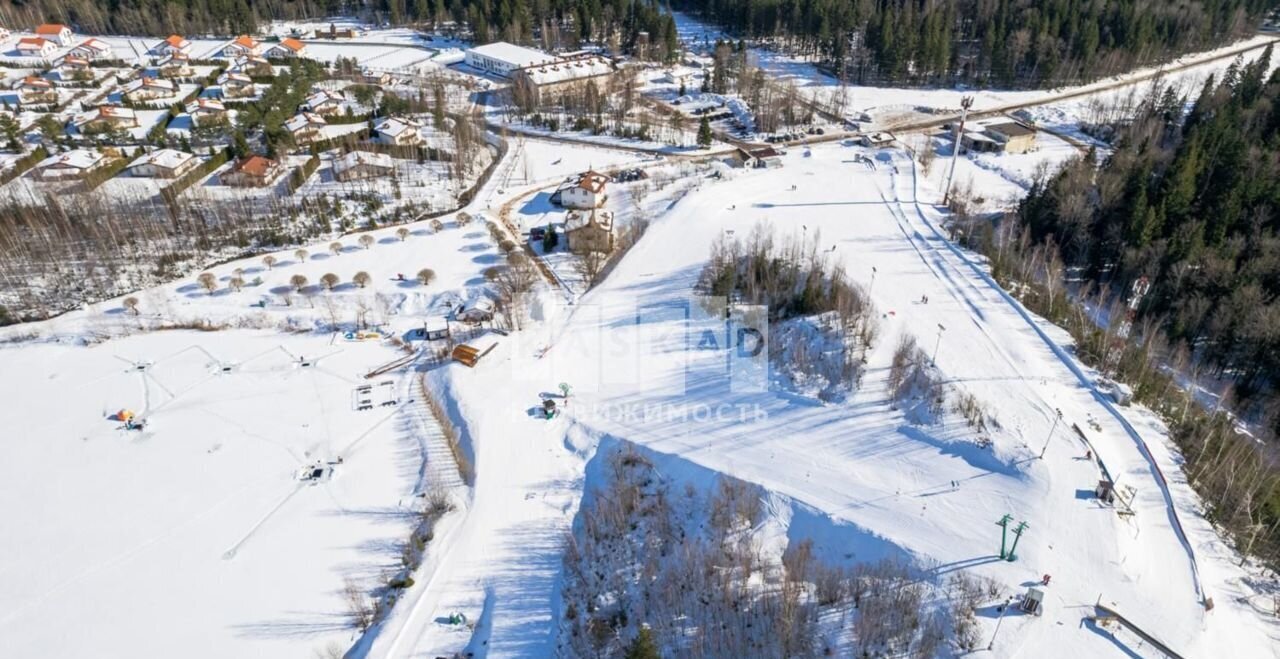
(1051, 431)
(936, 344)
(1008, 603)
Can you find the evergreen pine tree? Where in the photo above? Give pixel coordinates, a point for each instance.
(704, 133)
(643, 646)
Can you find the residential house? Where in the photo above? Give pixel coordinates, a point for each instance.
(92, 49)
(334, 33)
(32, 89)
(1015, 137)
(242, 45)
(149, 89)
(253, 172)
(105, 118)
(399, 132)
(358, 165)
(69, 166)
(235, 85)
(57, 33)
(164, 163)
(305, 127)
(288, 47)
(587, 192)
(589, 231)
(371, 77)
(253, 65)
(325, 103)
(207, 112)
(760, 158)
(175, 65)
(36, 47)
(173, 44)
(71, 68)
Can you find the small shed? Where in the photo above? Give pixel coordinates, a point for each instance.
(435, 328)
(1121, 394)
(1033, 601)
(478, 311)
(1105, 491)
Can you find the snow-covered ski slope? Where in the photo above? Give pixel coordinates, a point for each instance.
(860, 465)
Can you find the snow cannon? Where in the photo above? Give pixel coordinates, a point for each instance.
(549, 408)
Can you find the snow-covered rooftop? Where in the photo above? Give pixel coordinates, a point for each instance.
(166, 158)
(516, 56)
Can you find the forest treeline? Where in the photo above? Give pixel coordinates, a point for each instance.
(551, 23)
(1190, 201)
(1010, 43)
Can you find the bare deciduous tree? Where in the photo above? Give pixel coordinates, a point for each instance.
(298, 282)
(366, 241)
(131, 305)
(269, 261)
(402, 233)
(301, 255)
(329, 280)
(236, 283)
(336, 248)
(362, 279)
(208, 282)
(426, 276)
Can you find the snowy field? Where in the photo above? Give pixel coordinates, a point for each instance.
(197, 527)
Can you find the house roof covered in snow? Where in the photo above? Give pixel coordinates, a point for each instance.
(581, 219)
(206, 105)
(324, 97)
(165, 158)
(96, 45)
(234, 78)
(568, 69)
(516, 56)
(74, 159)
(358, 158)
(104, 112)
(146, 82)
(304, 120)
(395, 126)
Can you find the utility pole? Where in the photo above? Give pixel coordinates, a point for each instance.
(1004, 531)
(1051, 430)
(1017, 535)
(936, 344)
(965, 104)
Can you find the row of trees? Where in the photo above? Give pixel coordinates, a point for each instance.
(1005, 42)
(628, 25)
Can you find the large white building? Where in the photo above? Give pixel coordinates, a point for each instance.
(502, 58)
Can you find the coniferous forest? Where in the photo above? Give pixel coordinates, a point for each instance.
(554, 24)
(1007, 43)
(1189, 200)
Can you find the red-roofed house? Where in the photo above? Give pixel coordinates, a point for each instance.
(55, 32)
(588, 192)
(36, 47)
(243, 45)
(92, 49)
(288, 47)
(253, 172)
(174, 43)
